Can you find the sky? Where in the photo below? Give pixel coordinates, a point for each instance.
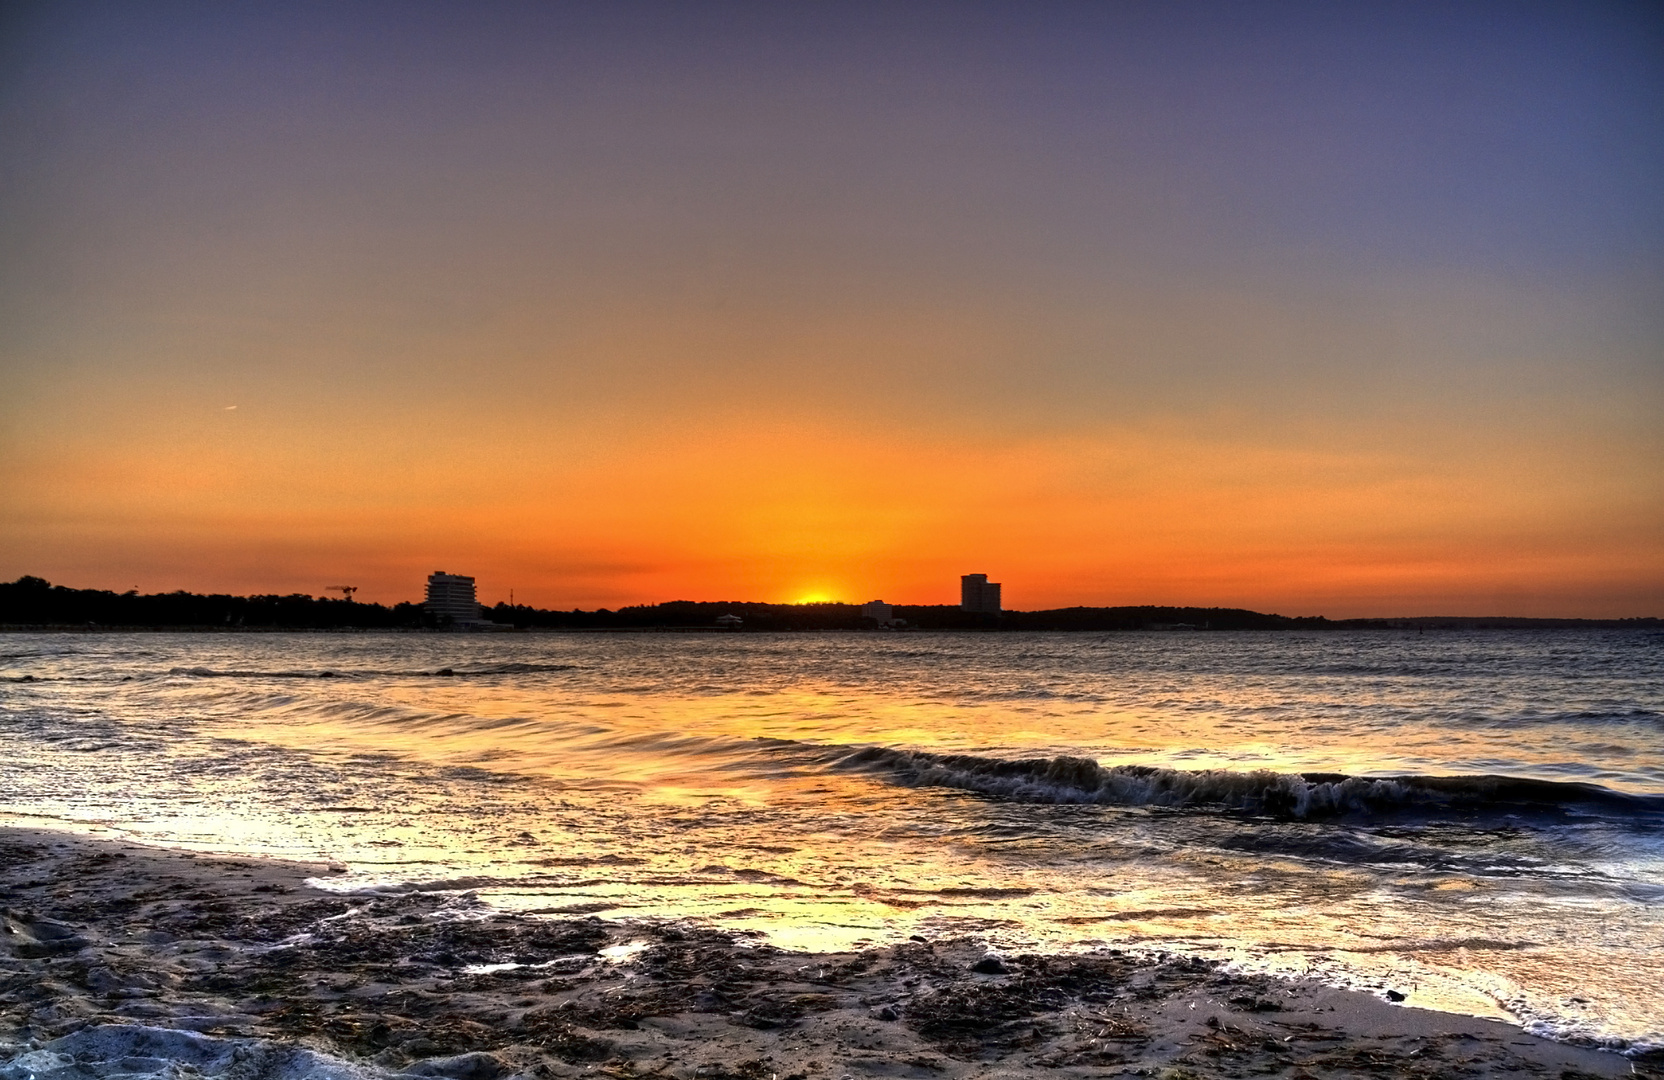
(1347, 309)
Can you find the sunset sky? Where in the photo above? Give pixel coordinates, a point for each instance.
(1344, 309)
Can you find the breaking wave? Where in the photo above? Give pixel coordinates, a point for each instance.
(1299, 795)
(350, 673)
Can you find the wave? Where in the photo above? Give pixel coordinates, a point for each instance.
(1580, 718)
(330, 673)
(1065, 780)
(211, 673)
(507, 669)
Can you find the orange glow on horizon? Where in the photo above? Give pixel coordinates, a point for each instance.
(1132, 516)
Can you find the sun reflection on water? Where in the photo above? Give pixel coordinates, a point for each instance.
(700, 778)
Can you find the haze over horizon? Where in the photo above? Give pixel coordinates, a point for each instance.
(1349, 311)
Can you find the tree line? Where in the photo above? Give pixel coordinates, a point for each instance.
(35, 602)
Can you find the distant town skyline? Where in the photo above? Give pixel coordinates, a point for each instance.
(1297, 307)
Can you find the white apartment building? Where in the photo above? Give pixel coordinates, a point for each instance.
(451, 599)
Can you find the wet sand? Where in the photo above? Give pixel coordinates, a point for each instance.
(122, 960)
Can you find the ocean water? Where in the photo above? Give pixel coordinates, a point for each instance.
(1473, 819)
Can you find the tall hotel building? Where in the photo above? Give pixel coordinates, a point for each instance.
(977, 593)
(451, 599)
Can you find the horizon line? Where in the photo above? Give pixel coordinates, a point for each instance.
(856, 604)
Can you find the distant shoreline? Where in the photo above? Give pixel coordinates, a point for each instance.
(1332, 626)
(32, 604)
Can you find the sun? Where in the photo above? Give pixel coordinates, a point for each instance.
(814, 598)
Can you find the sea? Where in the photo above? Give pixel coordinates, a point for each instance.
(1471, 819)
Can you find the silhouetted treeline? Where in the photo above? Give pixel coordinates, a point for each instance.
(32, 601)
(1164, 618)
(683, 615)
(753, 616)
(703, 614)
(1495, 622)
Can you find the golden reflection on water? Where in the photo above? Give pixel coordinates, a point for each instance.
(624, 791)
(666, 738)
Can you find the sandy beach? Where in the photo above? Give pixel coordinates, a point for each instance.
(133, 961)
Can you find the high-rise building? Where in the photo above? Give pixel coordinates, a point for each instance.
(977, 593)
(451, 600)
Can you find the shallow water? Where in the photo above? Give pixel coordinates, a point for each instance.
(1281, 800)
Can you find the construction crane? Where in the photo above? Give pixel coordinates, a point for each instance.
(346, 591)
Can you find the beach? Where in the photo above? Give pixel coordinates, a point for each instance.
(1018, 852)
(123, 959)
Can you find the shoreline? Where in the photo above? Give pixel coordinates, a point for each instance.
(129, 954)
